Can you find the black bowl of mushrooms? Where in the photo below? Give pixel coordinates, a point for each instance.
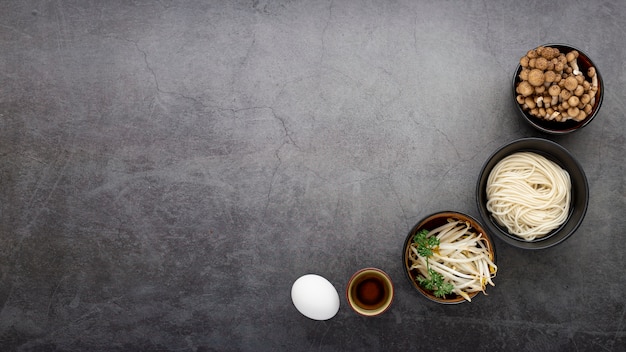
(557, 88)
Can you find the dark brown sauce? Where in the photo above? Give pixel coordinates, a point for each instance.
(370, 292)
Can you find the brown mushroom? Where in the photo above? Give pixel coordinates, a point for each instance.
(524, 88)
(559, 66)
(524, 61)
(523, 75)
(540, 89)
(554, 53)
(570, 83)
(585, 99)
(579, 90)
(573, 111)
(554, 115)
(557, 78)
(591, 72)
(592, 93)
(539, 101)
(541, 63)
(549, 77)
(573, 101)
(554, 92)
(586, 85)
(536, 77)
(547, 100)
(542, 112)
(571, 60)
(581, 116)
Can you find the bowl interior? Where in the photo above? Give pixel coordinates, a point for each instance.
(380, 285)
(429, 223)
(555, 127)
(579, 196)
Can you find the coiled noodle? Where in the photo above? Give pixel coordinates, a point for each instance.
(528, 194)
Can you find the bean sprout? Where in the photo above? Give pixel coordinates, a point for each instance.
(462, 258)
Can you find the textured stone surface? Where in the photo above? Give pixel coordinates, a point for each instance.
(169, 168)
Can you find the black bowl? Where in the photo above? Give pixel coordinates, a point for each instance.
(555, 127)
(431, 222)
(579, 196)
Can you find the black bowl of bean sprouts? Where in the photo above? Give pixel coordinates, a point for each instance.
(449, 258)
(532, 193)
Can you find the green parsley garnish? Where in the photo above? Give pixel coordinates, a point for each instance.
(425, 244)
(435, 283)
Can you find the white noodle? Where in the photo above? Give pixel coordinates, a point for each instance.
(528, 194)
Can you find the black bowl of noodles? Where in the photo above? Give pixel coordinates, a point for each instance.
(532, 193)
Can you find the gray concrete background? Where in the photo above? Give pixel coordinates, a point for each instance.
(169, 168)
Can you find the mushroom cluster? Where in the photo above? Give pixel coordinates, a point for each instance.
(552, 87)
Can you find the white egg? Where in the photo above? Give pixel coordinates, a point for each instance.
(315, 297)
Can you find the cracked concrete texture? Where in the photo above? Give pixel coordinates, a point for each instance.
(170, 168)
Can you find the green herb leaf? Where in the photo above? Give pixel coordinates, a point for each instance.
(434, 282)
(425, 283)
(425, 244)
(444, 289)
